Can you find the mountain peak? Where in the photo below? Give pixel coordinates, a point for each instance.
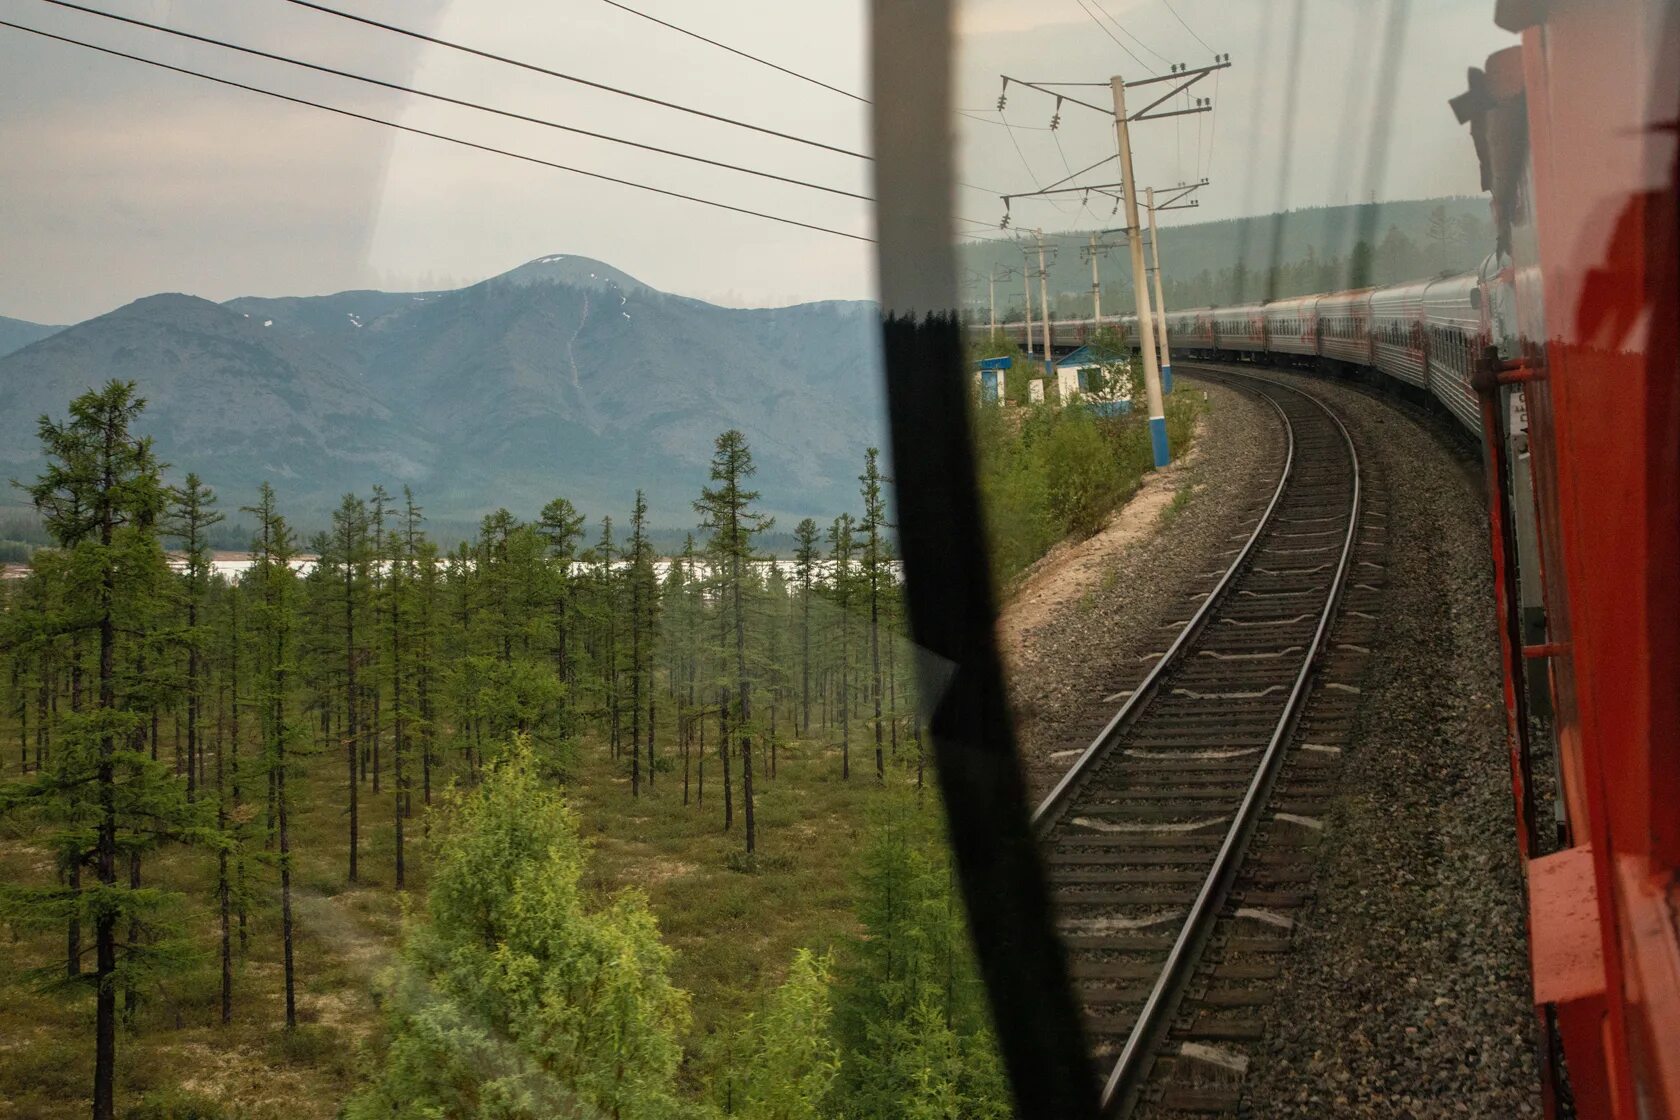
(576, 271)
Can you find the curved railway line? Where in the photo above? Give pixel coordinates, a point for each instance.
(1179, 843)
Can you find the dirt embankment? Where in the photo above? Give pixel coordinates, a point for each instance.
(1078, 621)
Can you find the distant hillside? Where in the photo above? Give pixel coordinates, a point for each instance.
(564, 377)
(1195, 255)
(15, 334)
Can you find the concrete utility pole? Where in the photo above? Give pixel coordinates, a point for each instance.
(1095, 249)
(1096, 285)
(1026, 292)
(1160, 302)
(991, 297)
(1044, 299)
(1140, 281)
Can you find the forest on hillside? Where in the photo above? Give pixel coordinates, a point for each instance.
(1248, 259)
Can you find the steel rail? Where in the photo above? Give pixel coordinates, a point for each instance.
(1130, 1070)
(1043, 818)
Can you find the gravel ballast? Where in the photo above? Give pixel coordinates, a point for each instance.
(1090, 648)
(1407, 990)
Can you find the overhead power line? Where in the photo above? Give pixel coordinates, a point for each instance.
(1187, 27)
(738, 51)
(536, 69)
(1111, 35)
(435, 135)
(445, 98)
(1128, 34)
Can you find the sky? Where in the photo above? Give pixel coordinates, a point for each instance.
(119, 180)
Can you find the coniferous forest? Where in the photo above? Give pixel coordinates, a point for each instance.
(535, 824)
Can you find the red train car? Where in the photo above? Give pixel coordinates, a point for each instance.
(1577, 134)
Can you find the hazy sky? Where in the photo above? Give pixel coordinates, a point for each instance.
(117, 180)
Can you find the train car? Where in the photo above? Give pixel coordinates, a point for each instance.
(1126, 325)
(1455, 331)
(1344, 327)
(1190, 332)
(1240, 329)
(1580, 409)
(1292, 326)
(1397, 332)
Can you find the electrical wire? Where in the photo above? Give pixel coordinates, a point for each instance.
(737, 51)
(534, 68)
(1031, 178)
(638, 96)
(1128, 34)
(974, 115)
(1111, 35)
(446, 99)
(1187, 27)
(434, 135)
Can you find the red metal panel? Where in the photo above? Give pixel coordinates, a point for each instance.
(1601, 89)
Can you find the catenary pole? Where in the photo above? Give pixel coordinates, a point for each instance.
(1160, 301)
(1140, 281)
(1026, 292)
(1096, 286)
(1044, 300)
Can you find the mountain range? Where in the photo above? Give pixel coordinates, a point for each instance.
(563, 377)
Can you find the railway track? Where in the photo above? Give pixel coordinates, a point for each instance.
(1180, 842)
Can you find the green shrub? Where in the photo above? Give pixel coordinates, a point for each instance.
(1081, 473)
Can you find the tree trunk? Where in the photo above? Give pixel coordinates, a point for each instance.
(223, 901)
(892, 693)
(131, 998)
(805, 664)
(105, 924)
(352, 740)
(192, 696)
(397, 739)
(285, 867)
(723, 753)
(635, 684)
(744, 720)
(875, 656)
(377, 731)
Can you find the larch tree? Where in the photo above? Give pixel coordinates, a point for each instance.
(273, 623)
(350, 557)
(873, 527)
(806, 543)
(561, 527)
(427, 609)
(101, 497)
(376, 509)
(404, 554)
(726, 510)
(193, 514)
(840, 547)
(643, 601)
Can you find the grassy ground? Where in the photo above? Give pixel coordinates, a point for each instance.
(734, 927)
